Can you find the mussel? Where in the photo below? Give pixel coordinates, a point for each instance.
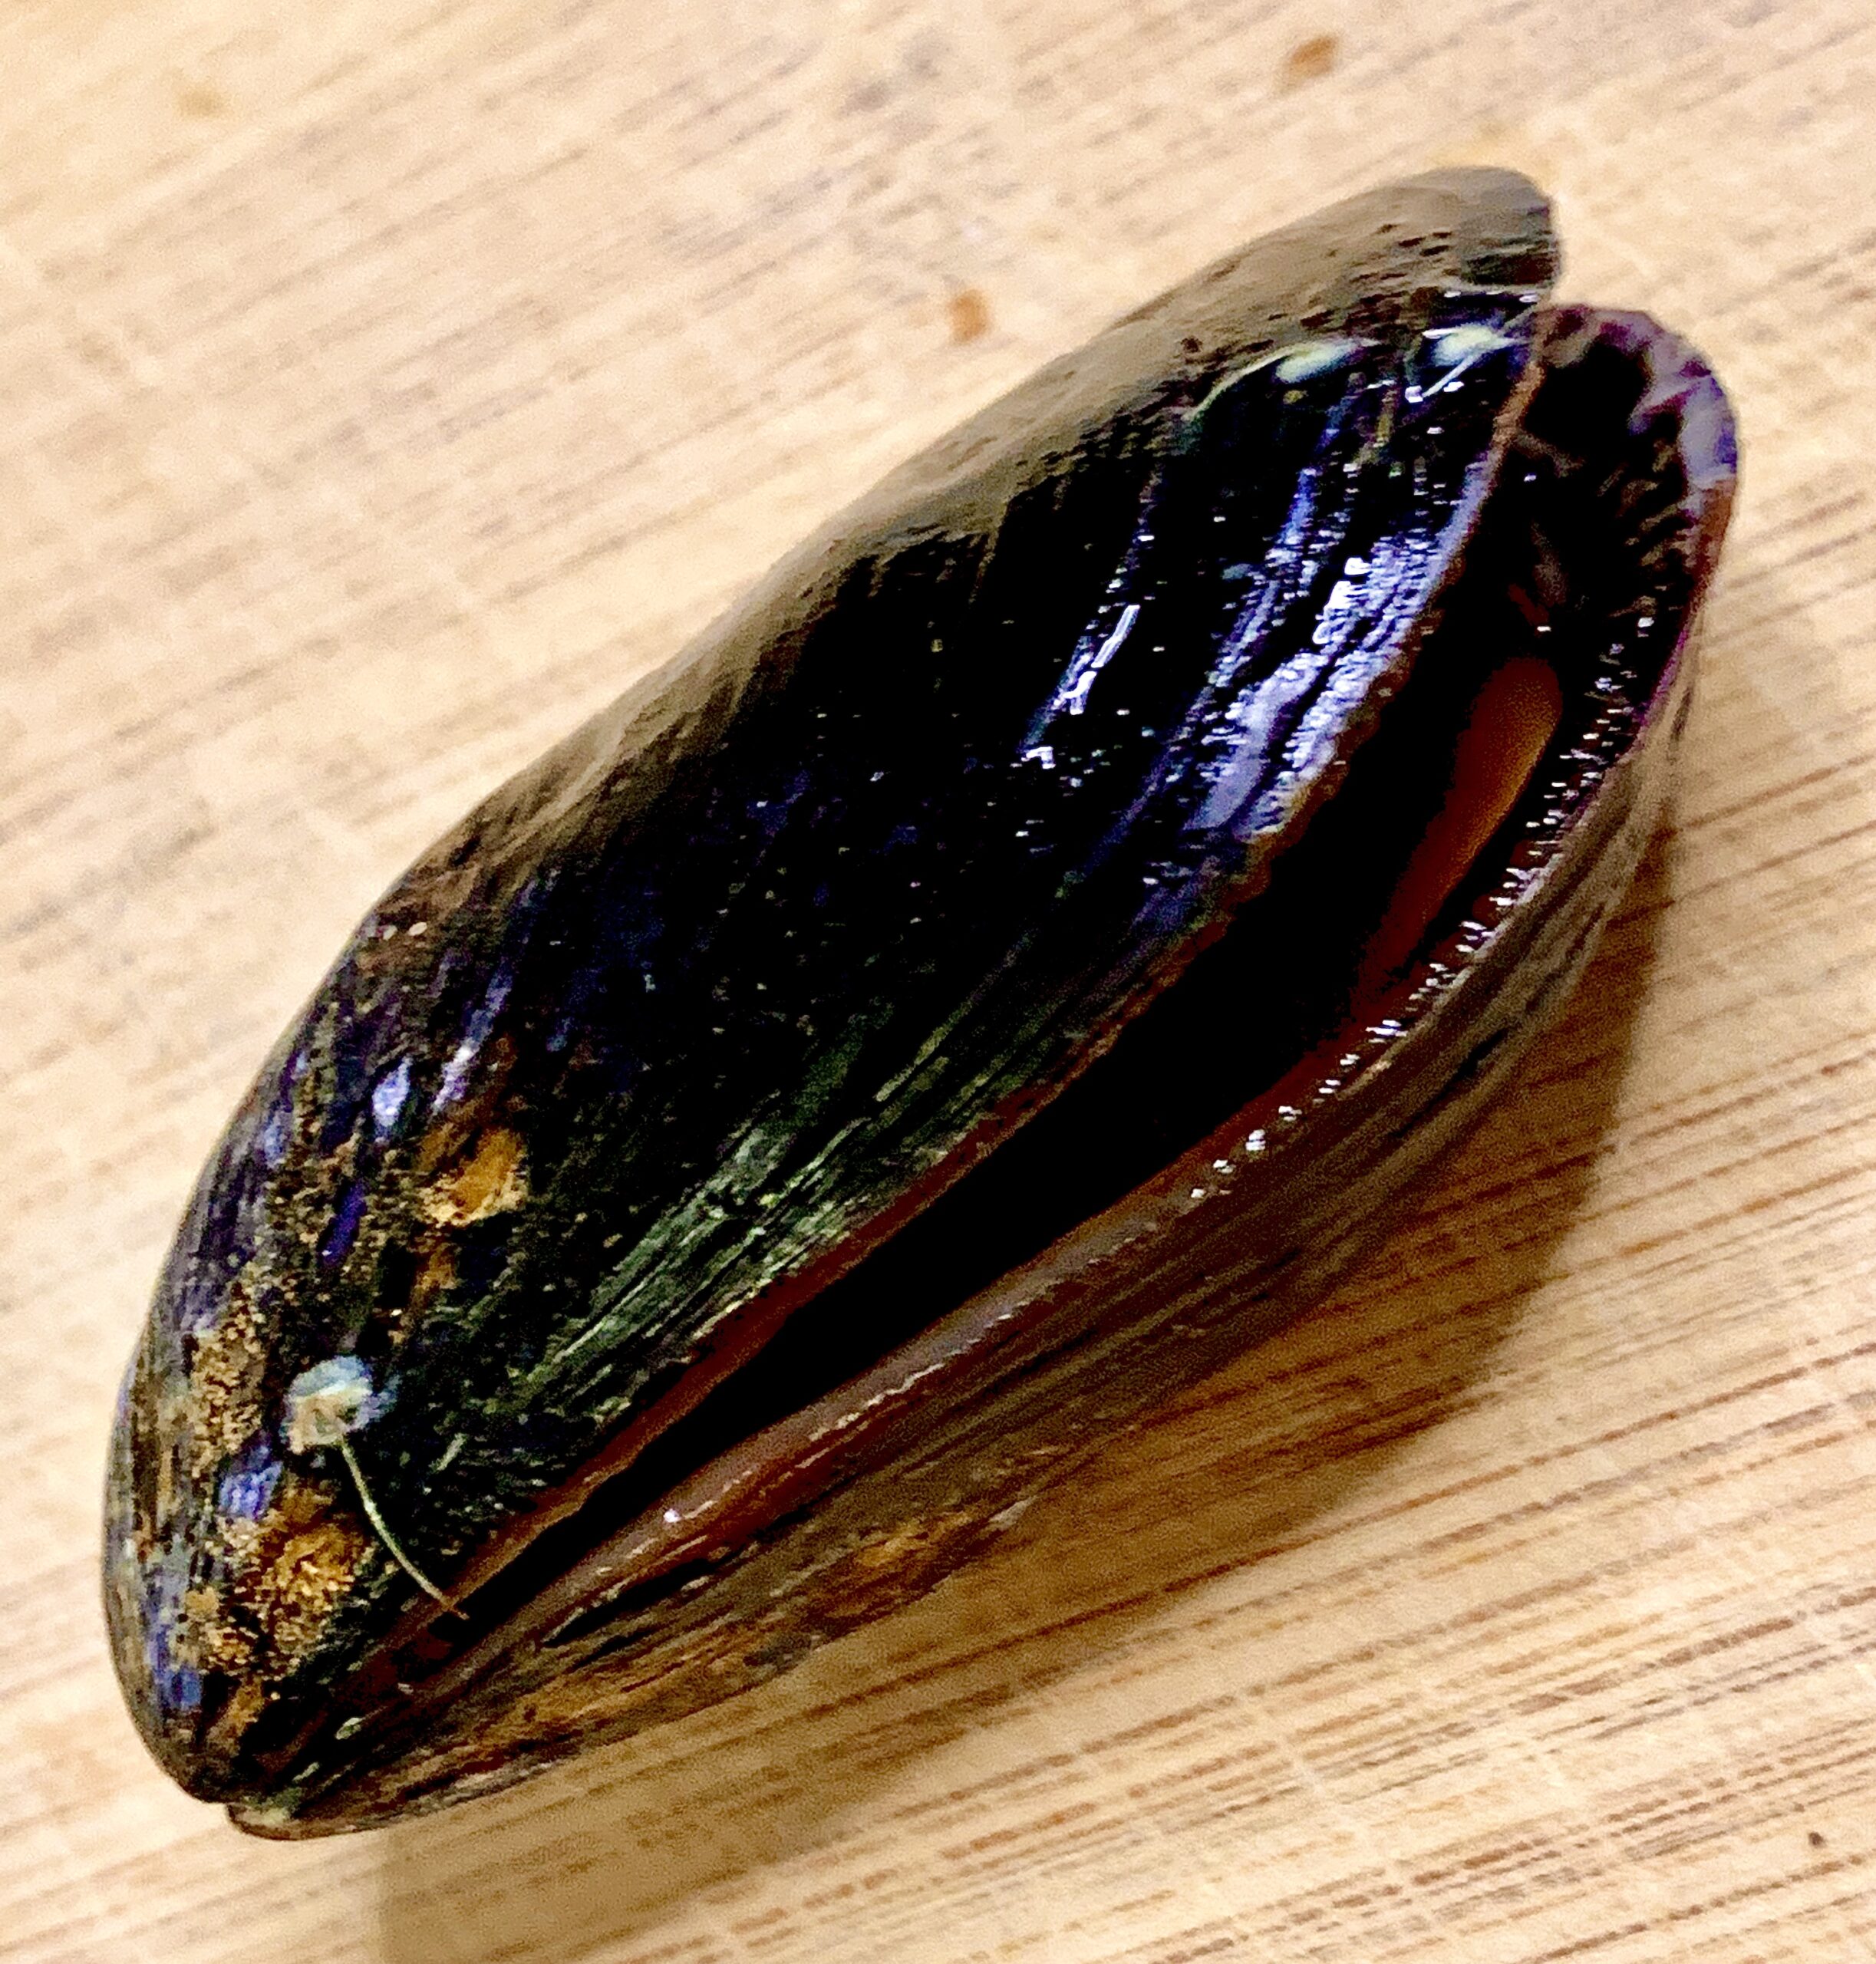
(1011, 962)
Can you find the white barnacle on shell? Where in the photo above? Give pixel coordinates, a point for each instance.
(328, 1400)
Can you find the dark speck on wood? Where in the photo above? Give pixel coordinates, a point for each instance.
(202, 100)
(1310, 60)
(969, 314)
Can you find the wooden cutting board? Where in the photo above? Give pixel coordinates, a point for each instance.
(383, 386)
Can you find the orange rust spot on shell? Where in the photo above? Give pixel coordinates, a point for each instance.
(224, 1386)
(1310, 60)
(294, 1596)
(237, 1716)
(435, 1273)
(969, 314)
(257, 1548)
(492, 1180)
(207, 1639)
(449, 1135)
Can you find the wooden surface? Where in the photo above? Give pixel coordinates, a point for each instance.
(386, 382)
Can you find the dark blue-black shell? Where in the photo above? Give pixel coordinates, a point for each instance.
(682, 1020)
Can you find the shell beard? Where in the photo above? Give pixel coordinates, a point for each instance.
(1556, 642)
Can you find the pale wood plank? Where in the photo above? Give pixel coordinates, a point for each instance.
(387, 385)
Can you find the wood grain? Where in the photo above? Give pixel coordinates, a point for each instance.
(385, 385)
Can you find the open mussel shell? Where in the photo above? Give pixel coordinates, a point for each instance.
(1011, 962)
